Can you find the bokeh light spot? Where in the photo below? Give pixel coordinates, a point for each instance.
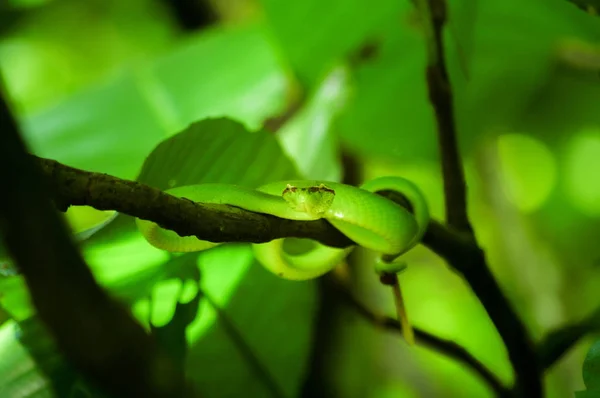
(528, 170)
(583, 172)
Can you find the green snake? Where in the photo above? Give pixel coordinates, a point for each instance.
(368, 219)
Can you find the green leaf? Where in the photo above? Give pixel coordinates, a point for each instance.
(274, 320)
(336, 28)
(111, 127)
(587, 394)
(21, 378)
(14, 297)
(234, 72)
(108, 128)
(309, 137)
(591, 367)
(216, 150)
(389, 113)
(212, 150)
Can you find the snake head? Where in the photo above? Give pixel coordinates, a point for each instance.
(314, 200)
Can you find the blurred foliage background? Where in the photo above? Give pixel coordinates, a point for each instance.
(98, 84)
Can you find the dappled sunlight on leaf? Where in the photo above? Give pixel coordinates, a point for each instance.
(165, 295)
(223, 268)
(15, 298)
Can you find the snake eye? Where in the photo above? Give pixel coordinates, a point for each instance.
(289, 189)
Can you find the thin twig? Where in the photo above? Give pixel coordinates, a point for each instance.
(446, 347)
(262, 373)
(391, 280)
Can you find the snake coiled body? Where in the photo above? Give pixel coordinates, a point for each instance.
(367, 218)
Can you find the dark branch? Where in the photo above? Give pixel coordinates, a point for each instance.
(222, 223)
(446, 347)
(464, 253)
(440, 96)
(192, 15)
(585, 5)
(558, 342)
(94, 332)
(216, 223)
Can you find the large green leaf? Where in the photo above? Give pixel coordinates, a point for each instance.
(591, 367)
(111, 127)
(262, 337)
(591, 372)
(108, 128)
(232, 72)
(316, 35)
(216, 150)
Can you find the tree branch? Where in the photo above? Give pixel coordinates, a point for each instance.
(69, 186)
(586, 5)
(440, 96)
(192, 15)
(464, 253)
(216, 223)
(446, 347)
(222, 223)
(558, 342)
(94, 332)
